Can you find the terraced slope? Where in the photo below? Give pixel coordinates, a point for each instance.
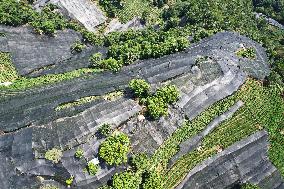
(31, 125)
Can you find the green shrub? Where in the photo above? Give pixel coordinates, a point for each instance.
(107, 64)
(156, 107)
(125, 180)
(140, 87)
(139, 161)
(69, 181)
(111, 6)
(246, 53)
(77, 47)
(115, 148)
(168, 93)
(79, 153)
(105, 130)
(152, 180)
(92, 168)
(53, 155)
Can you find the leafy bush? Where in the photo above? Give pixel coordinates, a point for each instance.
(139, 161)
(246, 53)
(69, 181)
(125, 180)
(92, 168)
(168, 93)
(53, 155)
(156, 107)
(115, 148)
(79, 153)
(111, 6)
(140, 87)
(105, 130)
(152, 180)
(77, 47)
(108, 64)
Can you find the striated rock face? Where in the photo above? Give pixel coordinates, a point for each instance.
(34, 54)
(244, 162)
(84, 11)
(116, 25)
(31, 126)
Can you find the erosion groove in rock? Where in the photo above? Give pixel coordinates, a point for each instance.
(244, 162)
(38, 104)
(35, 55)
(195, 141)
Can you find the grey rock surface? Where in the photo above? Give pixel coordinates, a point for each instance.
(31, 126)
(84, 11)
(115, 25)
(244, 162)
(38, 104)
(34, 54)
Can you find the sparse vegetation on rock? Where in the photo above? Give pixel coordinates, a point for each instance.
(105, 130)
(53, 155)
(246, 53)
(79, 153)
(92, 168)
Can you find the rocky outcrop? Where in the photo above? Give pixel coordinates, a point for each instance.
(269, 20)
(34, 54)
(115, 25)
(84, 11)
(244, 162)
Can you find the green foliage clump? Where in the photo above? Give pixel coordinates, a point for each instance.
(152, 180)
(79, 153)
(140, 87)
(46, 21)
(156, 107)
(54, 155)
(249, 186)
(111, 6)
(107, 64)
(246, 53)
(115, 148)
(8, 72)
(105, 130)
(92, 168)
(125, 180)
(77, 47)
(169, 94)
(139, 161)
(69, 181)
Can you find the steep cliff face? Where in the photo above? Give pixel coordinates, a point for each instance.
(244, 162)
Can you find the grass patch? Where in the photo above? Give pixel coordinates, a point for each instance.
(8, 72)
(263, 109)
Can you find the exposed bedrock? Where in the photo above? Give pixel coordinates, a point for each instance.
(38, 104)
(84, 11)
(269, 20)
(24, 150)
(244, 162)
(35, 55)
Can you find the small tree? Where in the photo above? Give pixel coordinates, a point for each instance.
(126, 180)
(115, 148)
(168, 93)
(156, 107)
(92, 168)
(140, 87)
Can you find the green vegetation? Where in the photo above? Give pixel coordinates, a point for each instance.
(79, 153)
(105, 130)
(7, 71)
(92, 168)
(152, 180)
(139, 161)
(20, 13)
(263, 109)
(125, 180)
(78, 102)
(115, 148)
(271, 8)
(140, 87)
(48, 187)
(157, 105)
(249, 186)
(69, 181)
(53, 155)
(246, 53)
(77, 47)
